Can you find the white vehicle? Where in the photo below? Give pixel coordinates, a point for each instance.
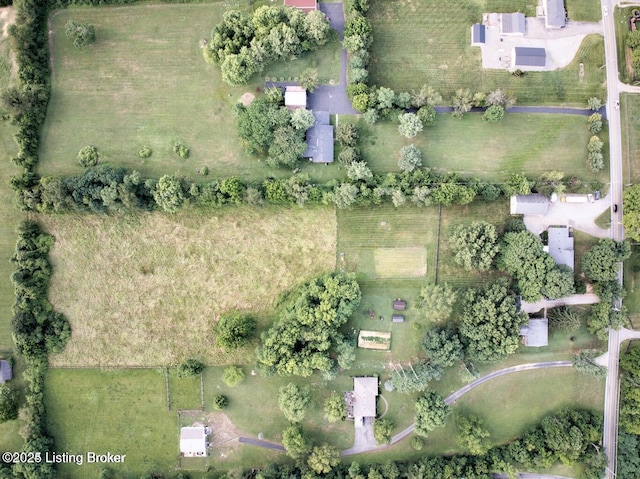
(577, 198)
(605, 10)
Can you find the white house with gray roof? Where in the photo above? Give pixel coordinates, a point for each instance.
(320, 139)
(560, 245)
(193, 441)
(365, 393)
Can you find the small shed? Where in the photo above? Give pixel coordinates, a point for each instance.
(512, 24)
(6, 373)
(478, 34)
(535, 334)
(533, 204)
(295, 97)
(528, 57)
(399, 305)
(193, 441)
(397, 318)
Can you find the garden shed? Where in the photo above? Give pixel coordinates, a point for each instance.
(535, 334)
(193, 441)
(397, 318)
(399, 305)
(6, 373)
(478, 35)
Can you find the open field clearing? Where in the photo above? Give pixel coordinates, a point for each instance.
(144, 82)
(630, 117)
(529, 143)
(625, 70)
(405, 262)
(147, 289)
(428, 42)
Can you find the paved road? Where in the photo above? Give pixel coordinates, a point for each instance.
(452, 398)
(611, 403)
(260, 443)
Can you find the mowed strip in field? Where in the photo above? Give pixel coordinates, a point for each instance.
(520, 143)
(422, 41)
(147, 289)
(144, 82)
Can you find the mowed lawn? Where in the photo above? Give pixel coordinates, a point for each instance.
(122, 412)
(392, 250)
(520, 143)
(630, 116)
(422, 41)
(145, 82)
(147, 289)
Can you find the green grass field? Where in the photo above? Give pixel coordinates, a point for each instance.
(584, 10)
(145, 82)
(165, 279)
(184, 392)
(472, 147)
(427, 42)
(630, 116)
(624, 55)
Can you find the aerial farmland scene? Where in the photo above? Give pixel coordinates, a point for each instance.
(307, 239)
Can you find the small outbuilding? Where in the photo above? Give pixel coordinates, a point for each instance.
(560, 245)
(533, 204)
(528, 58)
(535, 334)
(478, 34)
(554, 13)
(399, 305)
(193, 441)
(295, 97)
(6, 372)
(512, 24)
(305, 5)
(397, 318)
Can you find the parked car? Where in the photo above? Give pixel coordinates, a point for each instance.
(597, 195)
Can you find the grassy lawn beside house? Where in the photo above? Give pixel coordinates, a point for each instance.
(630, 117)
(584, 10)
(473, 147)
(145, 82)
(425, 42)
(164, 279)
(621, 16)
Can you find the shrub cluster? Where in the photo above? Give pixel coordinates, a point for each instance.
(243, 45)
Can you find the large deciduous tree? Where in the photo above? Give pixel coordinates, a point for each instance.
(323, 459)
(303, 337)
(436, 301)
(8, 403)
(409, 125)
(442, 345)
(471, 436)
(335, 408)
(475, 245)
(490, 322)
(234, 329)
(410, 158)
(294, 441)
(602, 262)
(631, 208)
(431, 412)
(293, 401)
(169, 193)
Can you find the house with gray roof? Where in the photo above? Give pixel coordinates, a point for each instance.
(193, 441)
(560, 245)
(528, 58)
(320, 139)
(365, 393)
(6, 373)
(554, 13)
(535, 333)
(533, 204)
(478, 34)
(512, 24)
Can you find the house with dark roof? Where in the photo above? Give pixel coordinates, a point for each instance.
(554, 13)
(512, 24)
(533, 204)
(535, 333)
(560, 245)
(320, 139)
(305, 5)
(6, 373)
(478, 34)
(528, 57)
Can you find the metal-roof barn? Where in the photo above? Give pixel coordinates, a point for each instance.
(512, 24)
(533, 204)
(478, 34)
(528, 57)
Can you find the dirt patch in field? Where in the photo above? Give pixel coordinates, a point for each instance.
(7, 17)
(224, 435)
(247, 98)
